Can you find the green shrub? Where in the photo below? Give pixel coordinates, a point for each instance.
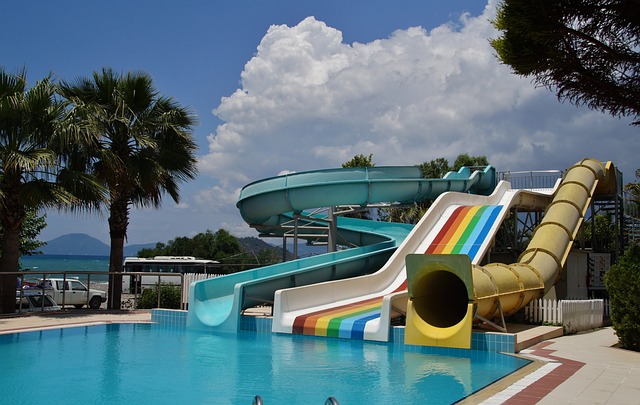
(169, 297)
(623, 284)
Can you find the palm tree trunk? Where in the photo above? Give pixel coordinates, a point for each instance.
(9, 262)
(12, 214)
(118, 222)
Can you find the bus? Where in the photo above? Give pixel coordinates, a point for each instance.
(164, 264)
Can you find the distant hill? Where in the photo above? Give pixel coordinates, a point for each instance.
(256, 245)
(83, 244)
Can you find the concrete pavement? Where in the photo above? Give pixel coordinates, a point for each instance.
(585, 368)
(71, 318)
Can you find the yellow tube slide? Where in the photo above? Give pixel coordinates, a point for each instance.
(438, 312)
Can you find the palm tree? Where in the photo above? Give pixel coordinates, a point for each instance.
(34, 165)
(143, 148)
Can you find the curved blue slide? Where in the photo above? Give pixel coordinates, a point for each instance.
(216, 304)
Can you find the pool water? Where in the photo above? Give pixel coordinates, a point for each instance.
(147, 363)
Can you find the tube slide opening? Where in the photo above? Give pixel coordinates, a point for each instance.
(440, 299)
(440, 310)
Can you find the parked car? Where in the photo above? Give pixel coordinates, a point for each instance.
(33, 300)
(72, 292)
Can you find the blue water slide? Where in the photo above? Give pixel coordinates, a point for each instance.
(216, 304)
(261, 202)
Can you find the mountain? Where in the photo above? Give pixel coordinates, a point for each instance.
(83, 244)
(253, 244)
(76, 244)
(256, 245)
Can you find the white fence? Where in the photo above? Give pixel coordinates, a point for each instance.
(190, 278)
(574, 315)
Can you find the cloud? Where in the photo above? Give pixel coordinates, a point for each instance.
(309, 101)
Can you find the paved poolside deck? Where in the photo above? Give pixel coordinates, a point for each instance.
(585, 368)
(25, 323)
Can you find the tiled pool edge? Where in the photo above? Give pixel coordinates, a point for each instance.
(485, 341)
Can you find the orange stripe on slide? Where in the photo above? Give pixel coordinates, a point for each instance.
(448, 230)
(456, 236)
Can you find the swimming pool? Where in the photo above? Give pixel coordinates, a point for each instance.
(128, 363)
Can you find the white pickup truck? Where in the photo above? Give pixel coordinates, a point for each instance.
(73, 292)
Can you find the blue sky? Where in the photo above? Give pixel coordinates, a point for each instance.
(283, 86)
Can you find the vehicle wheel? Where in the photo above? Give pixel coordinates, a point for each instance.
(95, 302)
(79, 306)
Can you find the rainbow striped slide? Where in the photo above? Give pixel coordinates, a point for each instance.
(463, 233)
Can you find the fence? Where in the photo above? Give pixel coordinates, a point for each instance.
(532, 180)
(99, 279)
(152, 280)
(190, 278)
(574, 315)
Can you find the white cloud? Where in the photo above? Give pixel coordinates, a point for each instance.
(310, 101)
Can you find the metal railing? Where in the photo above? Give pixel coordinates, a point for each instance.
(532, 180)
(36, 281)
(257, 400)
(23, 277)
(138, 277)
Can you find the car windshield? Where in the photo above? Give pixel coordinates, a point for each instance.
(37, 301)
(78, 286)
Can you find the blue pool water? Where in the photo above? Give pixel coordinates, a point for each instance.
(147, 363)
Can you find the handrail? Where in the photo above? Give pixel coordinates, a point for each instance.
(21, 274)
(532, 179)
(67, 275)
(257, 400)
(159, 290)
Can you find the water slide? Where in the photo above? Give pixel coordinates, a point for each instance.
(447, 291)
(216, 304)
(363, 307)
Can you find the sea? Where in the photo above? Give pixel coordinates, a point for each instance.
(39, 264)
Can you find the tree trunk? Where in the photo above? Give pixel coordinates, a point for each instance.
(9, 262)
(118, 222)
(11, 214)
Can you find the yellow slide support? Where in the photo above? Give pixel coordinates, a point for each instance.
(440, 313)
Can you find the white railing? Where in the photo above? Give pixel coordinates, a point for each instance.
(540, 310)
(190, 278)
(574, 315)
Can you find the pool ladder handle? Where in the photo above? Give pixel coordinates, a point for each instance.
(330, 401)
